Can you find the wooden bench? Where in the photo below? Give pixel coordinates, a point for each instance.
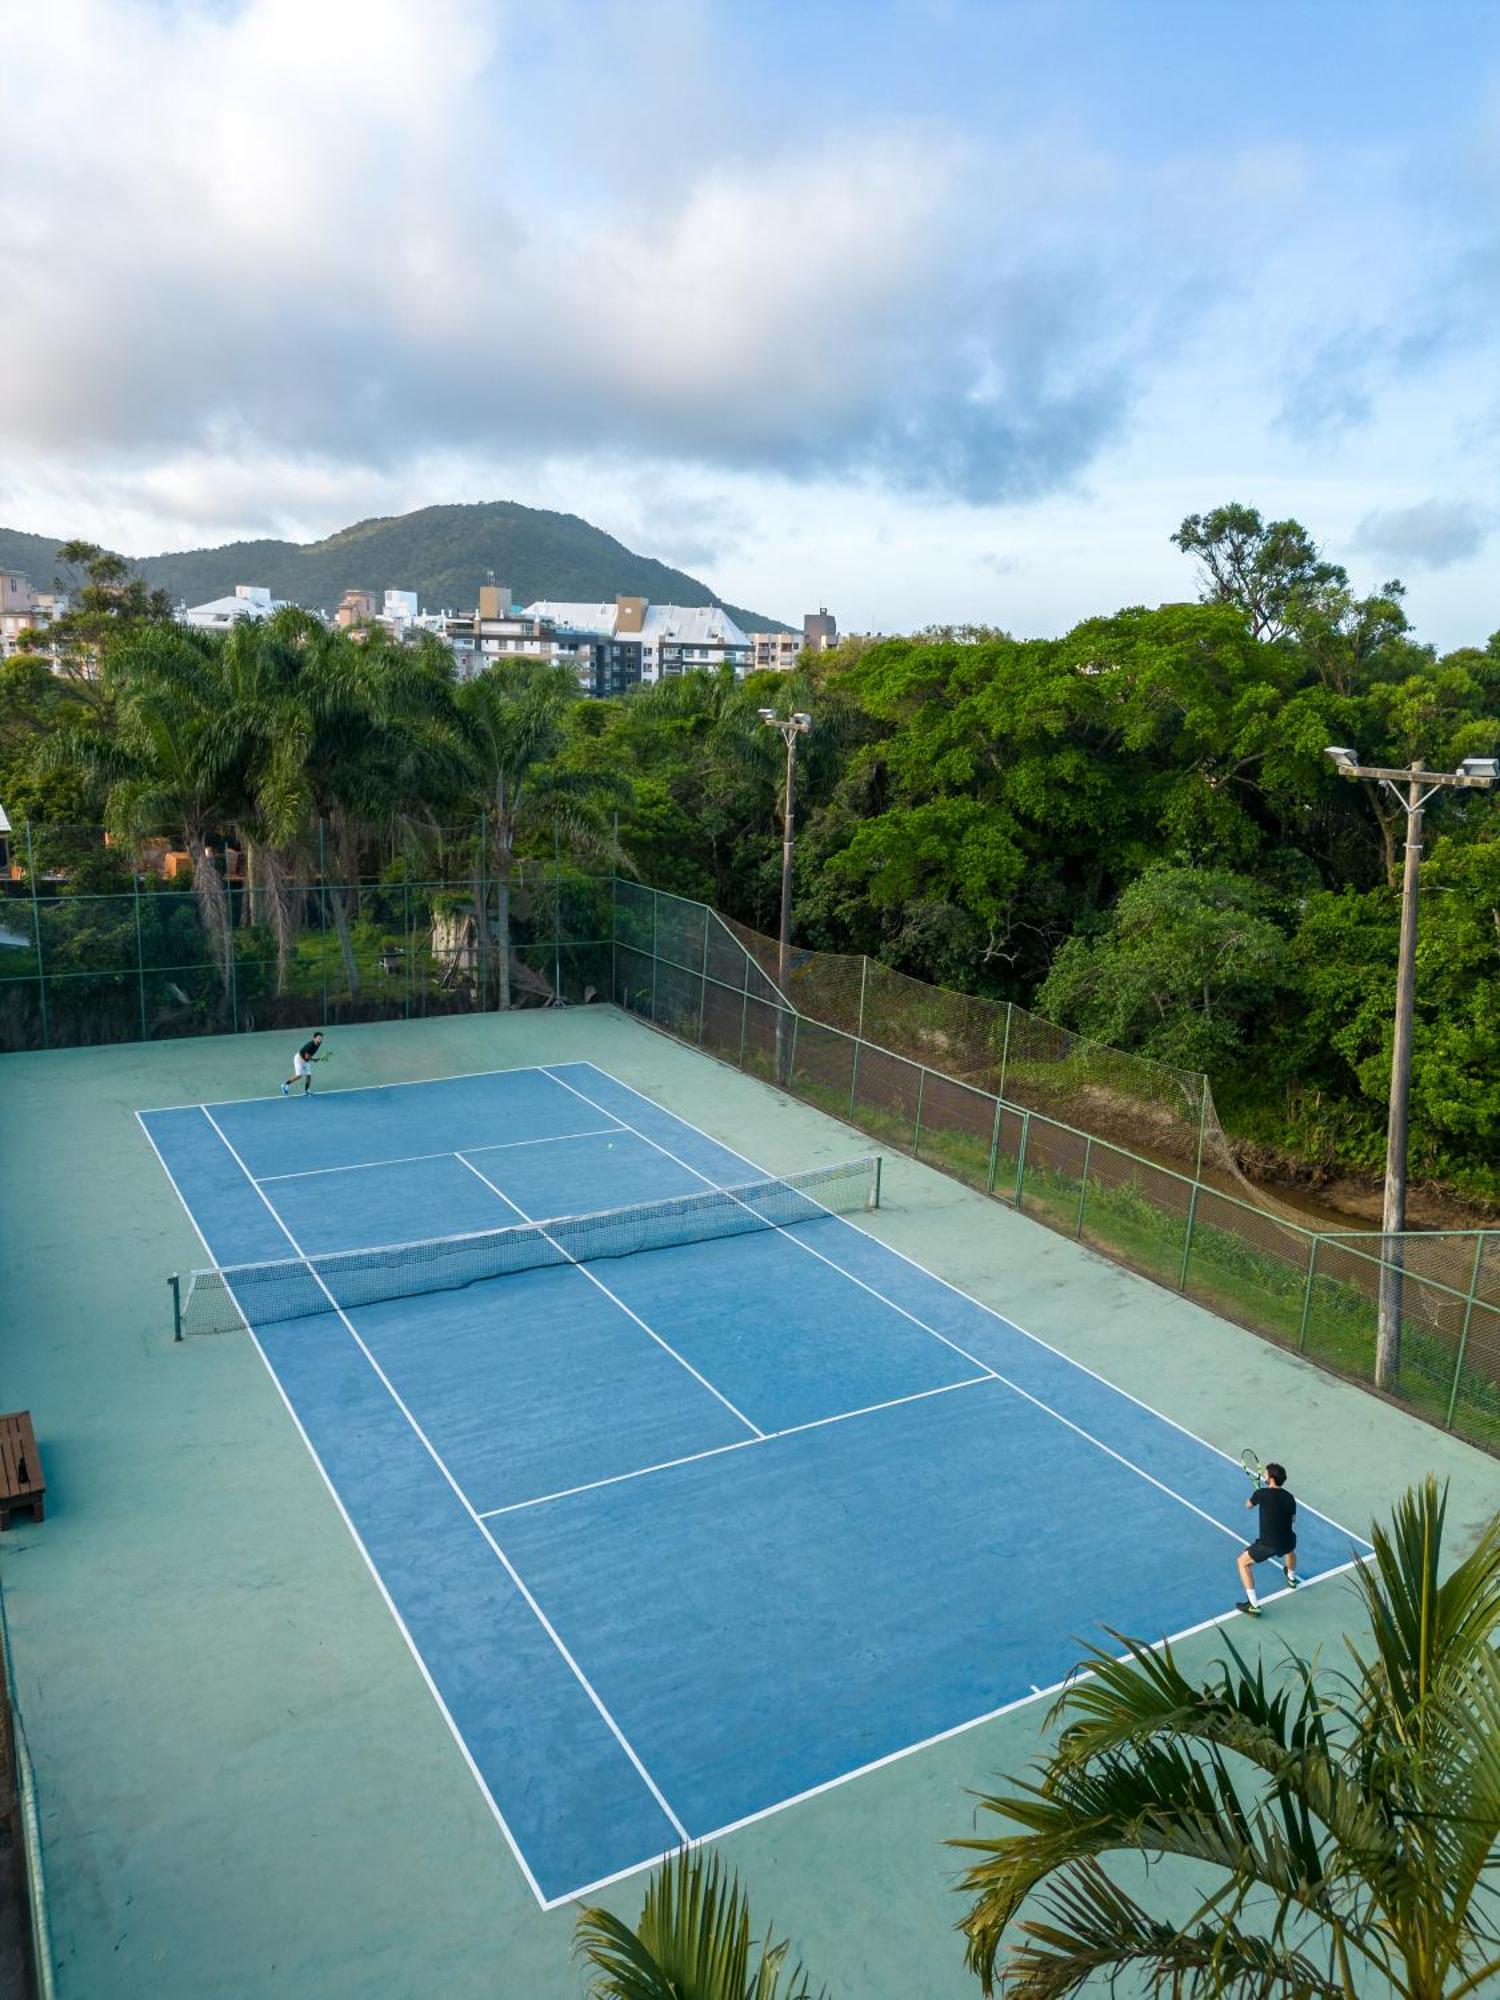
(21, 1482)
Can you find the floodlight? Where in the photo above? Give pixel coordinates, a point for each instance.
(766, 714)
(1345, 759)
(1480, 767)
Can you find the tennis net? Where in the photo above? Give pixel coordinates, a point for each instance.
(221, 1300)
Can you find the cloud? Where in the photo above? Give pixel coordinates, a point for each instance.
(1435, 534)
(338, 230)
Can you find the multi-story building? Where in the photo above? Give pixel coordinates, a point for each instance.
(820, 630)
(774, 652)
(250, 600)
(23, 609)
(356, 607)
(667, 639)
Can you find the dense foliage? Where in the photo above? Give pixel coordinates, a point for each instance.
(1132, 827)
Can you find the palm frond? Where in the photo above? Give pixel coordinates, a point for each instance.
(693, 1942)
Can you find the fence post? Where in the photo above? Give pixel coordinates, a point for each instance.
(1187, 1241)
(1463, 1338)
(36, 931)
(854, 1071)
(916, 1133)
(1312, 1265)
(557, 913)
(791, 1059)
(229, 950)
(614, 930)
(1010, 1008)
(655, 899)
(323, 912)
(864, 976)
(176, 1283)
(140, 950)
(994, 1166)
(703, 976)
(1202, 1127)
(407, 952)
(1021, 1159)
(1083, 1185)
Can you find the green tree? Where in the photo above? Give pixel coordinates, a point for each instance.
(1343, 1828)
(692, 1942)
(112, 602)
(512, 727)
(1272, 570)
(1184, 964)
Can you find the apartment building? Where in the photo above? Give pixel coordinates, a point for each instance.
(23, 609)
(651, 642)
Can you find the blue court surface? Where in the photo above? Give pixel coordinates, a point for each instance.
(680, 1537)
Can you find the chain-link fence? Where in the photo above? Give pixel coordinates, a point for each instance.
(94, 949)
(930, 1084)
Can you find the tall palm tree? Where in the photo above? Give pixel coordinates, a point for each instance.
(512, 718)
(692, 1942)
(1345, 1827)
(174, 760)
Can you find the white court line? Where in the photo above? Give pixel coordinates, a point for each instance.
(584, 1272)
(1235, 1534)
(928, 1742)
(333, 1493)
(515, 1576)
(412, 1159)
(947, 1284)
(350, 1089)
(740, 1444)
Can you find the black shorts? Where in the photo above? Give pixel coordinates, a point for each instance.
(1262, 1552)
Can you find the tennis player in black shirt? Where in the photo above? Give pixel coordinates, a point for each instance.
(302, 1064)
(1275, 1539)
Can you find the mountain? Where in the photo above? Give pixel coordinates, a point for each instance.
(442, 553)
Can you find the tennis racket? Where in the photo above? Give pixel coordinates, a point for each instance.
(1254, 1470)
(322, 1055)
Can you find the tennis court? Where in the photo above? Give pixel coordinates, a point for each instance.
(684, 1517)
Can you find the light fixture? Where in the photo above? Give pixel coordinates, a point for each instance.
(1487, 769)
(1345, 759)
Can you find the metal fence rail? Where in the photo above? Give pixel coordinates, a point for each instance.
(679, 965)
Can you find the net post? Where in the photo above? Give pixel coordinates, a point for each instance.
(1307, 1293)
(1021, 1160)
(916, 1130)
(176, 1283)
(875, 1191)
(1083, 1185)
(1187, 1241)
(1463, 1338)
(994, 1166)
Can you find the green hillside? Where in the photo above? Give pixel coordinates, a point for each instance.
(443, 553)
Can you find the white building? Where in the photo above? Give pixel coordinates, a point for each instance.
(250, 600)
(670, 639)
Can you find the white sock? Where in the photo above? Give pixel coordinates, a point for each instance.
(1250, 1596)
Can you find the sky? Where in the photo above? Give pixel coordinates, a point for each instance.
(929, 311)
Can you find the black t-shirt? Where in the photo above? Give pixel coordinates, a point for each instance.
(308, 1050)
(1277, 1511)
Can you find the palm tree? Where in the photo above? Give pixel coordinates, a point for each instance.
(174, 760)
(692, 1942)
(513, 721)
(1344, 1826)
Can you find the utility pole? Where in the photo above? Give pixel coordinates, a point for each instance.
(791, 727)
(1411, 788)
